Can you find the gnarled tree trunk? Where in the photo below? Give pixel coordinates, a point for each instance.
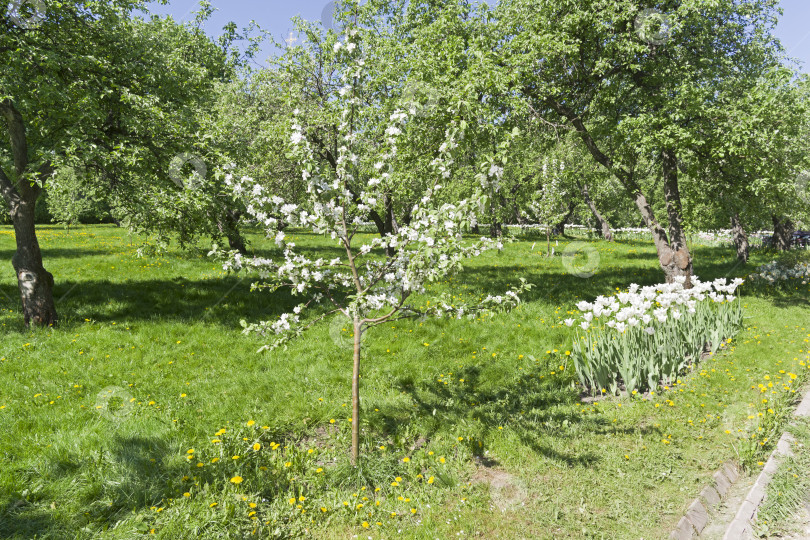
(674, 256)
(495, 224)
(386, 224)
(740, 238)
(680, 260)
(35, 283)
(559, 228)
(228, 225)
(600, 219)
(389, 223)
(783, 230)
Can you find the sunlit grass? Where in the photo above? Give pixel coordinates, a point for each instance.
(458, 399)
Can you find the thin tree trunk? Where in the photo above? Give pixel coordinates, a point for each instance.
(35, 283)
(356, 393)
(389, 223)
(740, 238)
(495, 230)
(600, 219)
(783, 229)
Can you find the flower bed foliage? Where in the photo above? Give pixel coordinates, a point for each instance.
(650, 334)
(782, 273)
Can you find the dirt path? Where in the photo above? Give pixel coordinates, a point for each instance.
(722, 516)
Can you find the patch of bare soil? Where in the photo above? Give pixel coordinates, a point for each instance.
(506, 491)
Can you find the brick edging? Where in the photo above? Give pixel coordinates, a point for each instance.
(748, 510)
(697, 514)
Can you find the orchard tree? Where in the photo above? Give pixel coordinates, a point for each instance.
(757, 143)
(184, 198)
(550, 204)
(86, 82)
(645, 73)
(403, 74)
(362, 285)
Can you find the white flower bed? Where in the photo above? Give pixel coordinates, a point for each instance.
(649, 334)
(775, 273)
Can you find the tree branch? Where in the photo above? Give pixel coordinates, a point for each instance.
(7, 188)
(16, 131)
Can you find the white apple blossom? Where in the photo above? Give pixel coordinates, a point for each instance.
(427, 250)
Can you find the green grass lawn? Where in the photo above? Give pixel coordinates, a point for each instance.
(128, 419)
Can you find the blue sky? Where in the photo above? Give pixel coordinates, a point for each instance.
(275, 15)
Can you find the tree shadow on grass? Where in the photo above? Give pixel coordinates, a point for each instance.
(223, 301)
(780, 296)
(54, 253)
(19, 520)
(552, 284)
(122, 480)
(555, 284)
(135, 473)
(539, 411)
(227, 300)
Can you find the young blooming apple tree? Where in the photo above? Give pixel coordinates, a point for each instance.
(361, 284)
(550, 204)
